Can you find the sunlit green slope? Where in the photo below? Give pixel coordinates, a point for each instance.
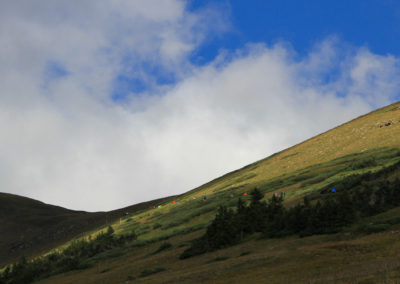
(297, 171)
(366, 144)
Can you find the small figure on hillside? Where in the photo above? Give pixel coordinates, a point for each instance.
(333, 190)
(204, 198)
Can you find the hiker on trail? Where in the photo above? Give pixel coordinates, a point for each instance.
(204, 198)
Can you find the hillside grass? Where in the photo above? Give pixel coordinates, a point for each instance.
(194, 214)
(177, 224)
(340, 258)
(363, 252)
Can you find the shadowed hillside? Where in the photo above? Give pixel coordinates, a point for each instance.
(30, 227)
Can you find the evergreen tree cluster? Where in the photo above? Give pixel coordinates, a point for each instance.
(229, 226)
(356, 196)
(75, 256)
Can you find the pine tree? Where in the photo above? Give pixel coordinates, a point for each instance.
(241, 218)
(346, 210)
(222, 232)
(275, 215)
(256, 196)
(110, 230)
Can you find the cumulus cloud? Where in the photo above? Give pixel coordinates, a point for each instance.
(66, 140)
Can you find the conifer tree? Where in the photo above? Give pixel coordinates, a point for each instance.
(222, 232)
(256, 196)
(110, 230)
(241, 218)
(256, 213)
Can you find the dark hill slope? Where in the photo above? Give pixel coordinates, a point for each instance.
(30, 227)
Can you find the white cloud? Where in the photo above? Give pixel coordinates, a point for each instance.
(66, 142)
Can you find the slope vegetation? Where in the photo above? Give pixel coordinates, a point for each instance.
(361, 251)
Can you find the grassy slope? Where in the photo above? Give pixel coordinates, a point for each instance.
(302, 169)
(316, 259)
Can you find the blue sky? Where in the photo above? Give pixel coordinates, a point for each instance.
(105, 104)
(371, 23)
(301, 25)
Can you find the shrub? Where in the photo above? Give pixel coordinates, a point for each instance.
(149, 271)
(363, 163)
(245, 253)
(157, 225)
(164, 246)
(373, 228)
(221, 258)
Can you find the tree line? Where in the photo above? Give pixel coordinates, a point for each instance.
(355, 197)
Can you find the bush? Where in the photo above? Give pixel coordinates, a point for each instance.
(199, 246)
(221, 258)
(149, 271)
(130, 278)
(157, 225)
(373, 228)
(363, 163)
(164, 246)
